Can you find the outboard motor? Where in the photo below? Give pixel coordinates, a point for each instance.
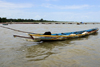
(47, 33)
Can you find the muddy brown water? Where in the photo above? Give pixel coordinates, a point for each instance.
(18, 52)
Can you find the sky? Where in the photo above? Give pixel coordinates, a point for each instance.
(57, 10)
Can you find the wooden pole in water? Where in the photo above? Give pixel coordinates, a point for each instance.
(22, 36)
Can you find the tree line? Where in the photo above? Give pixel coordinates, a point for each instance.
(4, 20)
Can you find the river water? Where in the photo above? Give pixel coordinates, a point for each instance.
(18, 52)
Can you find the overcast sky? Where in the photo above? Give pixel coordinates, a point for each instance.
(58, 10)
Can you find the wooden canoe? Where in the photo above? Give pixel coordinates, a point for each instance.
(62, 36)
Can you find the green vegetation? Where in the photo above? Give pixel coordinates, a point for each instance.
(4, 20)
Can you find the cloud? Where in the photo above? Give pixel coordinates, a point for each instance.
(59, 16)
(72, 16)
(13, 10)
(66, 6)
(4, 4)
(74, 7)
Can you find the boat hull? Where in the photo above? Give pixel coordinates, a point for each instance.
(52, 37)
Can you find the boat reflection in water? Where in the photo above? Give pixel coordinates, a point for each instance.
(45, 49)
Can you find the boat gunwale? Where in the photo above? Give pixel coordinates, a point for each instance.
(63, 35)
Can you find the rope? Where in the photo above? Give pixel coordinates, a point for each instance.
(16, 30)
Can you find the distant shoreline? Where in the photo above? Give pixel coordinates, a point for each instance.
(50, 23)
